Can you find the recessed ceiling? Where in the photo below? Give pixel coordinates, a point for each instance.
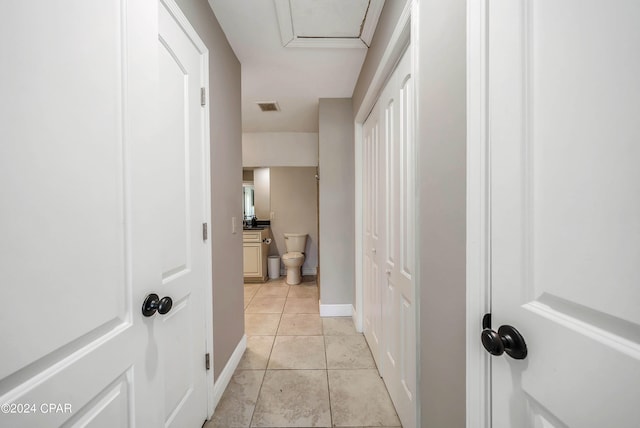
(327, 23)
(294, 77)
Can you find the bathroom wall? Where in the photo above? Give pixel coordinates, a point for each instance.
(279, 149)
(294, 203)
(337, 202)
(226, 181)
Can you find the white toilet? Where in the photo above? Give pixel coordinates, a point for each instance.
(294, 257)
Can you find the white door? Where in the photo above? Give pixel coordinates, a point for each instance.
(77, 253)
(564, 138)
(181, 155)
(373, 253)
(398, 310)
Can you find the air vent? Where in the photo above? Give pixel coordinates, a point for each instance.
(268, 106)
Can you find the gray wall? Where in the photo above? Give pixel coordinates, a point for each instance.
(226, 181)
(294, 202)
(337, 201)
(386, 24)
(442, 210)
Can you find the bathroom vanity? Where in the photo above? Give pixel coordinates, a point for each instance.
(255, 252)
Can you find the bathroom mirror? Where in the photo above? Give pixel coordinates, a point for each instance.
(248, 201)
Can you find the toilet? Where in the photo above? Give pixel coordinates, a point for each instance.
(294, 257)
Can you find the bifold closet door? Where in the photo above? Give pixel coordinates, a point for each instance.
(389, 256)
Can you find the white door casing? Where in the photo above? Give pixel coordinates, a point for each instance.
(563, 193)
(78, 252)
(182, 157)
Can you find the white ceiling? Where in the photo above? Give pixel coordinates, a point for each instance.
(295, 77)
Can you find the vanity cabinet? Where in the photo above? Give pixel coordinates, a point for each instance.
(254, 255)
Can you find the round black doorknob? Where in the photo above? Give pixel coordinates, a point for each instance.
(492, 342)
(153, 303)
(165, 305)
(507, 339)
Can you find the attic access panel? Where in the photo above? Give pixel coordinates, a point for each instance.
(327, 23)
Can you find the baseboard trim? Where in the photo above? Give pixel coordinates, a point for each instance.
(336, 310)
(225, 376)
(309, 271)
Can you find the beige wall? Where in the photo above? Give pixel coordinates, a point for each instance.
(294, 202)
(280, 149)
(226, 181)
(442, 208)
(337, 201)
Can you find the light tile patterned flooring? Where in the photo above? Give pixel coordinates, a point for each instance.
(300, 370)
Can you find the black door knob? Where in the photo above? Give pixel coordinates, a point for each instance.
(507, 339)
(153, 303)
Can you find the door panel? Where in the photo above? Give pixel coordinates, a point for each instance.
(75, 258)
(372, 294)
(398, 308)
(181, 154)
(565, 210)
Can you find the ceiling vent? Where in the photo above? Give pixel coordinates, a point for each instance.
(268, 106)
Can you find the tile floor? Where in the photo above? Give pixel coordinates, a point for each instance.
(300, 370)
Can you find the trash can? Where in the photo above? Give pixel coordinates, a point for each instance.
(274, 267)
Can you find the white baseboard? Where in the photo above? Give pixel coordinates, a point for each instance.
(336, 310)
(225, 376)
(309, 271)
(305, 271)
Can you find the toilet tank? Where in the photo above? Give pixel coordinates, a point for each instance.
(295, 242)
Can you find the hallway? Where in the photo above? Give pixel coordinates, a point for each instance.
(300, 370)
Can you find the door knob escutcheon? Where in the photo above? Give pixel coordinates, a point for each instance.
(153, 303)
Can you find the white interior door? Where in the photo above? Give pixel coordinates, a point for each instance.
(77, 254)
(564, 103)
(373, 251)
(181, 156)
(398, 310)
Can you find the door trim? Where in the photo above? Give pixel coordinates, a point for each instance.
(478, 364)
(184, 23)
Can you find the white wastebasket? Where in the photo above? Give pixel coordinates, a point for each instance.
(274, 267)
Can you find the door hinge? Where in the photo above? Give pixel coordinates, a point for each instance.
(203, 96)
(205, 232)
(207, 361)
